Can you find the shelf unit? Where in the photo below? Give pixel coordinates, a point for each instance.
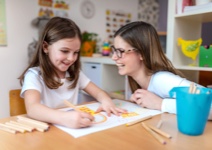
(187, 26)
(104, 73)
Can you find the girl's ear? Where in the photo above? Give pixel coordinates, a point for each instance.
(45, 47)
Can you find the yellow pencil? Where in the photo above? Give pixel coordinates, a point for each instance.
(155, 135)
(71, 105)
(139, 120)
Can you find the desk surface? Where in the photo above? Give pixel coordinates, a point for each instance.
(117, 138)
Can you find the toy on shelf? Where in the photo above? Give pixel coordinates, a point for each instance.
(106, 48)
(190, 48)
(205, 56)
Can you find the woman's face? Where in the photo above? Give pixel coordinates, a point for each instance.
(63, 54)
(130, 62)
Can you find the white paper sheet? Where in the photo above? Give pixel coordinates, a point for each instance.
(135, 113)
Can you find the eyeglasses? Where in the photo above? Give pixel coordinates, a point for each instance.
(119, 51)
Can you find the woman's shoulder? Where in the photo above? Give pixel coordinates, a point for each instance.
(164, 76)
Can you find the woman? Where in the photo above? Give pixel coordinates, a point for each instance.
(139, 55)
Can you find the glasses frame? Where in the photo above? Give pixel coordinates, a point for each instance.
(119, 51)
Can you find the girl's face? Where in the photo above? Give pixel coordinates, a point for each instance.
(130, 62)
(63, 54)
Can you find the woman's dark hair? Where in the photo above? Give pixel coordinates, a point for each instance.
(143, 37)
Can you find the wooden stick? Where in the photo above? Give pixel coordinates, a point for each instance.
(27, 128)
(8, 130)
(32, 121)
(159, 124)
(71, 105)
(191, 87)
(155, 135)
(137, 121)
(198, 91)
(19, 123)
(194, 89)
(35, 126)
(159, 131)
(12, 127)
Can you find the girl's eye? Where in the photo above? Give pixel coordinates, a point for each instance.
(65, 51)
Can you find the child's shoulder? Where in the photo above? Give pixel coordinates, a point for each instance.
(34, 70)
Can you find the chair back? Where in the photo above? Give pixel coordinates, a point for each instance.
(17, 106)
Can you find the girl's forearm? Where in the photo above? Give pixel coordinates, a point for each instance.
(45, 114)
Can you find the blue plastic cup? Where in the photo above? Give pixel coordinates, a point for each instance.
(192, 109)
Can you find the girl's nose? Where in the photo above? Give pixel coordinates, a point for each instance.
(70, 57)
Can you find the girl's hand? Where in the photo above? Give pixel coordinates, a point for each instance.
(146, 99)
(109, 107)
(76, 119)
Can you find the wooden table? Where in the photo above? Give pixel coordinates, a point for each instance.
(117, 138)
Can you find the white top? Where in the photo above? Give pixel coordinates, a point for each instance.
(53, 98)
(161, 83)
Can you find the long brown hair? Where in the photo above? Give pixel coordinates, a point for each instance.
(143, 37)
(56, 29)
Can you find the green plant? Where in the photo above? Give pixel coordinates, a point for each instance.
(91, 37)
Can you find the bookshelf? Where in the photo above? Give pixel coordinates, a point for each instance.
(188, 26)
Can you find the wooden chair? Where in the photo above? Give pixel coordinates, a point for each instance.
(17, 106)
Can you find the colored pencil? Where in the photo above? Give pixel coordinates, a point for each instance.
(155, 135)
(71, 105)
(159, 131)
(137, 121)
(8, 130)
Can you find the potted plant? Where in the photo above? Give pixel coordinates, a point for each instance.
(89, 41)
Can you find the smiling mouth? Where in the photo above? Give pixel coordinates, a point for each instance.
(120, 65)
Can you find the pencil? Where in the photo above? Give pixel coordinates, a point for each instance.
(27, 128)
(35, 126)
(137, 121)
(160, 132)
(12, 127)
(8, 130)
(155, 135)
(35, 122)
(191, 87)
(71, 105)
(159, 124)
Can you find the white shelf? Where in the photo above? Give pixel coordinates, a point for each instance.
(102, 60)
(202, 15)
(193, 68)
(188, 26)
(104, 74)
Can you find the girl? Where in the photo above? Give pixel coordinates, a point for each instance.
(138, 54)
(54, 76)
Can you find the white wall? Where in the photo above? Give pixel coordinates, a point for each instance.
(19, 14)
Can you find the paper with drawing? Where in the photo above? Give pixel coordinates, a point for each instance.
(102, 121)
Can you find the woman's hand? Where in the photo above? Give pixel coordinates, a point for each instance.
(76, 119)
(146, 99)
(109, 107)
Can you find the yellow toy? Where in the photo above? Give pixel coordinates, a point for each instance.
(190, 48)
